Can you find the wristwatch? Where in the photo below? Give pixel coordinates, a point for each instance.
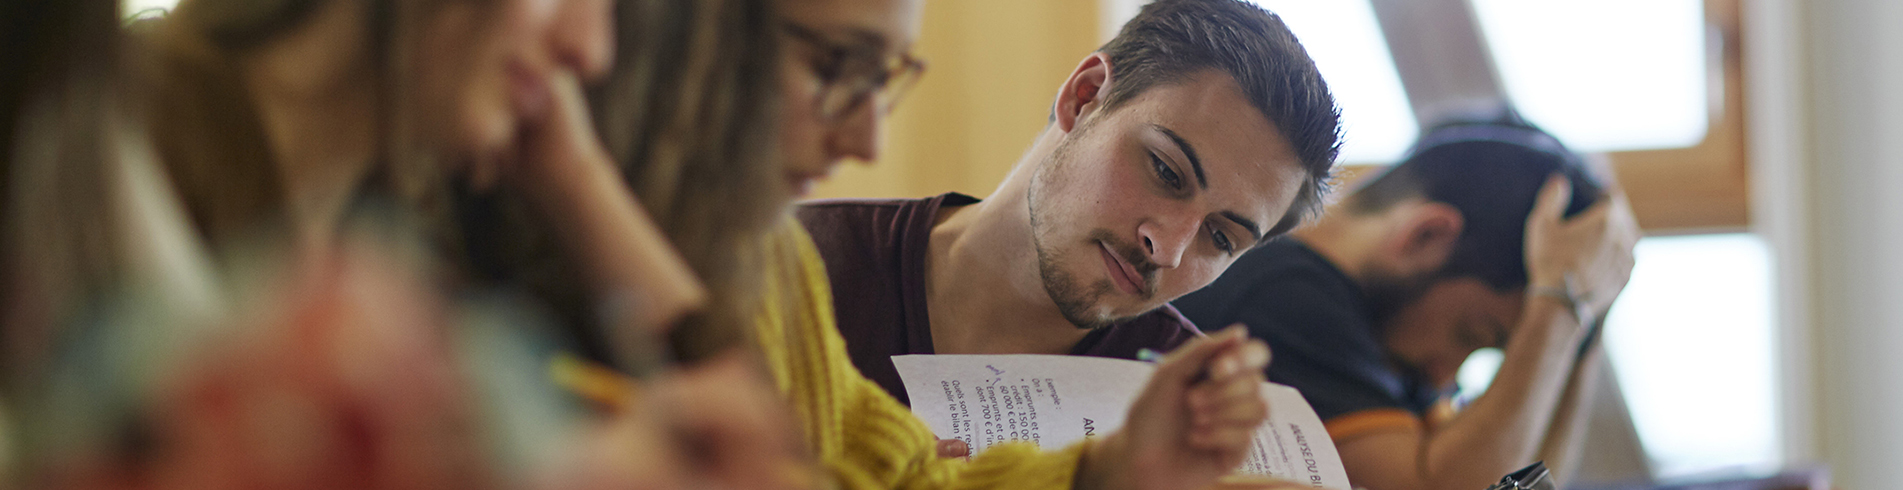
(1567, 296)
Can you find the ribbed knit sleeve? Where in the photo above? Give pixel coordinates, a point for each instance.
(866, 439)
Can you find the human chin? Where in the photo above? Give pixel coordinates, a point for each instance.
(1078, 300)
(801, 177)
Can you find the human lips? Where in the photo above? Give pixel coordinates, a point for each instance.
(1121, 273)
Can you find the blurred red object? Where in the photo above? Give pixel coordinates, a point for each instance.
(347, 381)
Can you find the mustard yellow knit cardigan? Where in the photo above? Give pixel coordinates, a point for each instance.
(864, 437)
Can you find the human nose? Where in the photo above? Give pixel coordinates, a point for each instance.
(1167, 239)
(583, 37)
(856, 134)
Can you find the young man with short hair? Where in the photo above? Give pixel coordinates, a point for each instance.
(1200, 131)
(1461, 246)
(843, 61)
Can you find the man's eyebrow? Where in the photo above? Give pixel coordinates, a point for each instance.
(1255, 232)
(1195, 164)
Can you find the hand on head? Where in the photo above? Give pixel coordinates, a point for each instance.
(1194, 421)
(1589, 254)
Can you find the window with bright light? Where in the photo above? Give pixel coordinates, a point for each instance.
(1346, 42)
(1691, 343)
(131, 7)
(1691, 340)
(1604, 75)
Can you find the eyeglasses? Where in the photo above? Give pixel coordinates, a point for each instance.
(852, 75)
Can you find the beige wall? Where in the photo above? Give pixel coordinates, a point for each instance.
(994, 67)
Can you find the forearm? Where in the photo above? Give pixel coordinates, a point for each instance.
(571, 182)
(1564, 440)
(1505, 428)
(617, 245)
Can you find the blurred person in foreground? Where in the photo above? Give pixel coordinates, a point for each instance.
(1202, 130)
(1490, 234)
(60, 111)
(287, 124)
(840, 61)
(57, 102)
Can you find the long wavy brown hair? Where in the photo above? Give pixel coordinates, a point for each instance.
(692, 115)
(59, 100)
(689, 113)
(212, 139)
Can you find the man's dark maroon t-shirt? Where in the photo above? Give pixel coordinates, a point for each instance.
(875, 252)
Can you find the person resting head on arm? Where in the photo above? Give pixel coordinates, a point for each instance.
(1490, 234)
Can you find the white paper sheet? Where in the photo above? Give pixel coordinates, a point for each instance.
(1056, 400)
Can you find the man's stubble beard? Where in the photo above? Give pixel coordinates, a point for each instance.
(1388, 293)
(1073, 299)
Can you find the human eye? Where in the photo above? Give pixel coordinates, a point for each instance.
(1163, 171)
(1221, 240)
(829, 64)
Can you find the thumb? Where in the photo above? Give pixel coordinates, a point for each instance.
(953, 448)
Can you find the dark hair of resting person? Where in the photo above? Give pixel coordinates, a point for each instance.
(1488, 168)
(689, 119)
(58, 93)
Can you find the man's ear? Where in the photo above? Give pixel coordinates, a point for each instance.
(1424, 237)
(1083, 91)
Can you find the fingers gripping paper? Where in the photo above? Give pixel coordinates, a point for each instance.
(1053, 401)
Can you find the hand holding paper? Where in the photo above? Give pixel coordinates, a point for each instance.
(1191, 424)
(1185, 416)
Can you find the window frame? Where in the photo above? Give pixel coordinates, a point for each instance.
(1703, 188)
